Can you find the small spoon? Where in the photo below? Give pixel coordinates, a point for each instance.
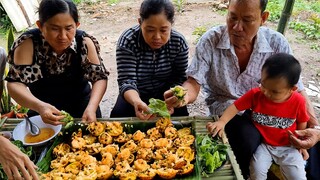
(34, 129)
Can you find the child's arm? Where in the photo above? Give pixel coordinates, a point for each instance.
(215, 128)
(301, 126)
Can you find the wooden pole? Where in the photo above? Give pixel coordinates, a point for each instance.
(285, 16)
(24, 12)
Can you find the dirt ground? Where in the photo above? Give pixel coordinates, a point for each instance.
(107, 23)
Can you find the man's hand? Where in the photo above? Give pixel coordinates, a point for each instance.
(307, 138)
(174, 101)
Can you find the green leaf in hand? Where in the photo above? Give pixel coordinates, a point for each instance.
(68, 119)
(158, 107)
(179, 92)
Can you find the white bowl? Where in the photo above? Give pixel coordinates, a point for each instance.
(21, 130)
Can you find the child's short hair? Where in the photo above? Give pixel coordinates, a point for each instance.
(283, 65)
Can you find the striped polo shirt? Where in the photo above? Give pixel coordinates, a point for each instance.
(150, 72)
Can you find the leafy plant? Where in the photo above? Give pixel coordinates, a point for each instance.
(77, 1)
(315, 46)
(179, 4)
(110, 2)
(199, 31)
(6, 103)
(275, 9)
(311, 28)
(211, 153)
(10, 38)
(5, 22)
(85, 1)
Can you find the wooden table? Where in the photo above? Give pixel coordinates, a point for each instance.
(229, 171)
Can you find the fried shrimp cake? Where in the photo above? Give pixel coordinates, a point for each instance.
(126, 155)
(114, 128)
(184, 131)
(187, 169)
(78, 143)
(186, 153)
(73, 168)
(90, 139)
(162, 143)
(140, 165)
(154, 133)
(111, 148)
(145, 153)
(128, 175)
(61, 175)
(163, 123)
(123, 138)
(124, 171)
(167, 173)
(186, 141)
(105, 138)
(93, 148)
(88, 173)
(171, 133)
(161, 154)
(104, 172)
(56, 163)
(61, 149)
(107, 159)
(148, 174)
(130, 145)
(96, 128)
(138, 136)
(146, 143)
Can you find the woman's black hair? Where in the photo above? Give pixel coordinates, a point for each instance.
(283, 65)
(154, 7)
(49, 8)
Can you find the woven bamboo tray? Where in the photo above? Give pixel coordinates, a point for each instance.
(229, 171)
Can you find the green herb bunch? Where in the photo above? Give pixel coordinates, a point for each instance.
(211, 153)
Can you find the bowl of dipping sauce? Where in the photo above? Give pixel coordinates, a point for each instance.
(48, 131)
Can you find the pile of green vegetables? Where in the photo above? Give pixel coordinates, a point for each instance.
(25, 150)
(211, 153)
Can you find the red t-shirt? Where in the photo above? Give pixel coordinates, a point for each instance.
(274, 119)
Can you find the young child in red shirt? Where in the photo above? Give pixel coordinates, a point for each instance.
(276, 108)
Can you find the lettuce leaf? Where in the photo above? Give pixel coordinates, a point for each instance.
(159, 108)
